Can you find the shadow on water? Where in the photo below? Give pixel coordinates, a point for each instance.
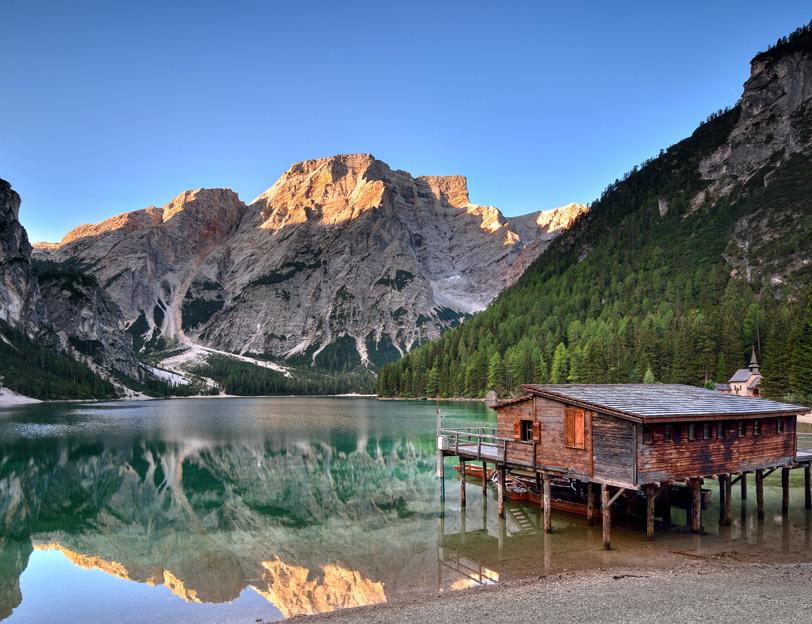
(209, 510)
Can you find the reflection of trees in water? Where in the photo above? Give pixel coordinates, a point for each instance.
(204, 519)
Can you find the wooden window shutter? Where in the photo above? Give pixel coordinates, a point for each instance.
(536, 431)
(580, 426)
(517, 429)
(569, 427)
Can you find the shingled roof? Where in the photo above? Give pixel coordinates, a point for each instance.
(661, 402)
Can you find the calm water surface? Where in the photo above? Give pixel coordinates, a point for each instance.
(229, 510)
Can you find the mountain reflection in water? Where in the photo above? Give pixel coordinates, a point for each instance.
(207, 510)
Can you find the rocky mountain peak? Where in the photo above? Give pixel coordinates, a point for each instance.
(452, 189)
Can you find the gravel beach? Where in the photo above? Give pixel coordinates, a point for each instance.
(699, 592)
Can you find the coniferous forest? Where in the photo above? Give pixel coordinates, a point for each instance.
(635, 293)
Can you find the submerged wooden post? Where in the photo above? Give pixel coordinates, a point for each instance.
(666, 496)
(484, 477)
(807, 487)
(724, 515)
(462, 482)
(590, 504)
(548, 504)
(650, 498)
(607, 517)
(785, 490)
(744, 485)
(696, 505)
(500, 491)
(760, 494)
(728, 497)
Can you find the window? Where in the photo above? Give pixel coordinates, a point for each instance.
(780, 425)
(756, 427)
(667, 433)
(647, 438)
(677, 432)
(574, 428)
(740, 428)
(691, 431)
(706, 431)
(720, 430)
(527, 431)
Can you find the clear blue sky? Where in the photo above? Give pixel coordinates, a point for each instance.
(113, 106)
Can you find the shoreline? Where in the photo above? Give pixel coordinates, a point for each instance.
(718, 590)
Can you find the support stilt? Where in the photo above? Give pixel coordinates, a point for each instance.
(650, 499)
(590, 504)
(500, 491)
(728, 500)
(760, 494)
(785, 490)
(607, 517)
(462, 483)
(548, 504)
(666, 498)
(807, 487)
(484, 477)
(696, 505)
(744, 486)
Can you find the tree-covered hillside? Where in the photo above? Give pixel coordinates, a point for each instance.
(651, 285)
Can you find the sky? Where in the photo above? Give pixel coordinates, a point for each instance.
(113, 106)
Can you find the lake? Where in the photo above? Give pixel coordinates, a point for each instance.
(233, 510)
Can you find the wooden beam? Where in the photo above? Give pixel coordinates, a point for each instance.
(548, 505)
(590, 504)
(666, 494)
(651, 497)
(728, 501)
(696, 505)
(607, 517)
(462, 482)
(616, 496)
(500, 491)
(785, 490)
(484, 477)
(807, 487)
(760, 494)
(744, 485)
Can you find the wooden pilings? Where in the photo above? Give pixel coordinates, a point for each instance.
(500, 491)
(785, 490)
(590, 504)
(696, 504)
(760, 494)
(462, 482)
(666, 496)
(807, 487)
(548, 504)
(744, 485)
(724, 499)
(728, 500)
(484, 477)
(607, 517)
(651, 497)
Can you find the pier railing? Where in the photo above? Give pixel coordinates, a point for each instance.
(486, 444)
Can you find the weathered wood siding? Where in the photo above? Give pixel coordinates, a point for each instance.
(613, 449)
(506, 418)
(681, 458)
(552, 450)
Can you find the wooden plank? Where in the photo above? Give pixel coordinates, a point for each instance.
(617, 495)
(666, 504)
(760, 494)
(744, 485)
(807, 487)
(727, 512)
(650, 499)
(548, 505)
(484, 477)
(607, 517)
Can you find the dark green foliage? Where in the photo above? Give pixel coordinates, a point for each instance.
(798, 41)
(628, 295)
(91, 348)
(381, 352)
(158, 313)
(243, 378)
(137, 329)
(34, 370)
(70, 275)
(155, 387)
(340, 355)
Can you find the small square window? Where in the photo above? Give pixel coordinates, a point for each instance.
(691, 431)
(720, 430)
(756, 427)
(706, 431)
(780, 425)
(741, 428)
(667, 433)
(527, 430)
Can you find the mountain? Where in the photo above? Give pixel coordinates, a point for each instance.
(342, 264)
(676, 271)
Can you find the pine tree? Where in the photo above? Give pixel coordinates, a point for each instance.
(558, 374)
(496, 372)
(649, 376)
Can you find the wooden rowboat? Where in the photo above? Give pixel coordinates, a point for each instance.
(516, 492)
(475, 471)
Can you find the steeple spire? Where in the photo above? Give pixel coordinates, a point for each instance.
(753, 362)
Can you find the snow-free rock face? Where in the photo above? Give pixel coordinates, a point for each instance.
(342, 262)
(19, 300)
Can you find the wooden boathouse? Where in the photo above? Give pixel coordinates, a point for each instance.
(633, 441)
